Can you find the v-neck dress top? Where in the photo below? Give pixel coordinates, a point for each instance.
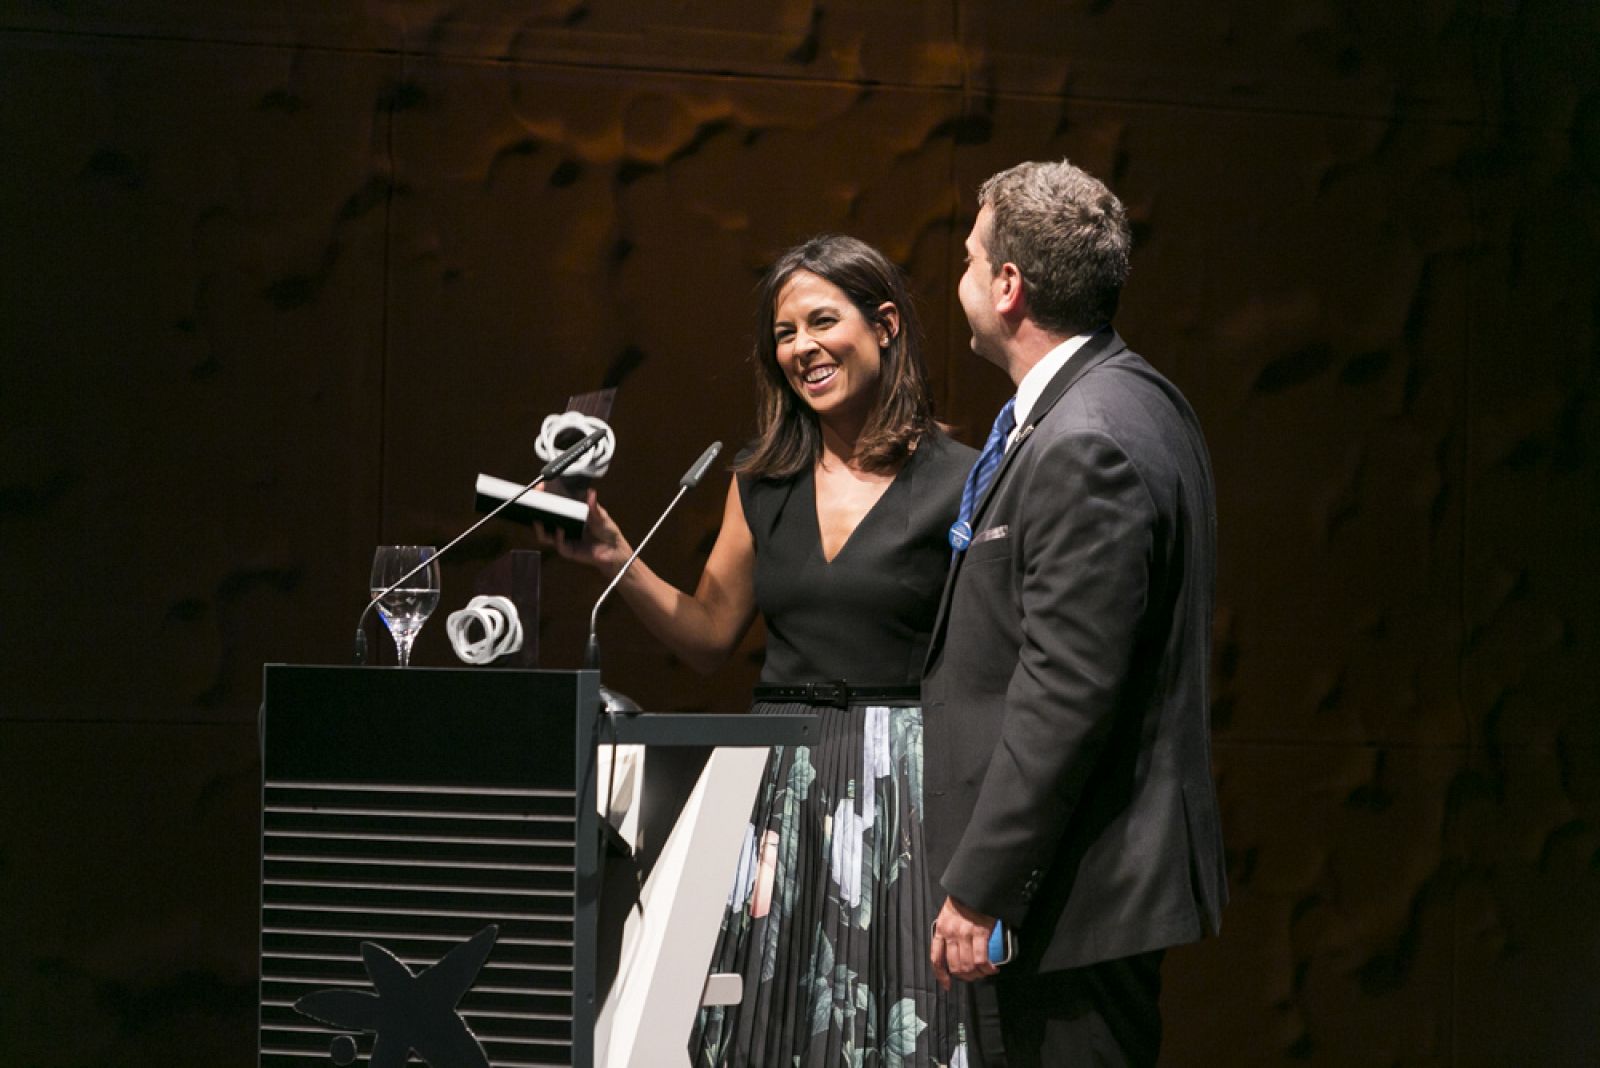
(827, 921)
(866, 616)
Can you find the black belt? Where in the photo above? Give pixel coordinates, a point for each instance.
(836, 694)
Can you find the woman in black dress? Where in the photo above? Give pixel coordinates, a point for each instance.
(835, 530)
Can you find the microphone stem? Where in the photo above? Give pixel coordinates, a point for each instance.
(591, 653)
(361, 643)
(550, 470)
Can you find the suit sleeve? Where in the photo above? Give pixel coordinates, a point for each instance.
(1087, 535)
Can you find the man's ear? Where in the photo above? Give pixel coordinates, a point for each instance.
(1010, 299)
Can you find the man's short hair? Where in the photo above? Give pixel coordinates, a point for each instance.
(1068, 235)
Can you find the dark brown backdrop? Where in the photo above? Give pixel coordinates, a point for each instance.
(278, 279)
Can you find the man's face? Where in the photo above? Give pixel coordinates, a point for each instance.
(976, 293)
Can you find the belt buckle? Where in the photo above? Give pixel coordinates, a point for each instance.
(835, 693)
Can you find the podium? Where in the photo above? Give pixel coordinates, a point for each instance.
(432, 866)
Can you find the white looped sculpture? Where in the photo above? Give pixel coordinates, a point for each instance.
(593, 463)
(500, 626)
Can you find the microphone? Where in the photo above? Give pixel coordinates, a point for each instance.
(691, 478)
(568, 458)
(550, 470)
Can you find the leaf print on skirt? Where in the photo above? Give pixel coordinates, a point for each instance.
(836, 971)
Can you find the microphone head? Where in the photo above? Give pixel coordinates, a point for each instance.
(691, 478)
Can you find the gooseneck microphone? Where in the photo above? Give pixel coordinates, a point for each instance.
(691, 478)
(550, 470)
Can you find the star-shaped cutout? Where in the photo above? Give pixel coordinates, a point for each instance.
(410, 1012)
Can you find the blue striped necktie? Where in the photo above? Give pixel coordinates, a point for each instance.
(982, 473)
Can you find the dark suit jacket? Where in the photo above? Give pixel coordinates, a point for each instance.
(1067, 729)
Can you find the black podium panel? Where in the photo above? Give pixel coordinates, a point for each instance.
(427, 864)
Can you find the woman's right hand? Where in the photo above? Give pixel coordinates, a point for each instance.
(702, 628)
(602, 546)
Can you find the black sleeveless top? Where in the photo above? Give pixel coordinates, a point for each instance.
(867, 617)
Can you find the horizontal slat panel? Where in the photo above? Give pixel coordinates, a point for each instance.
(293, 975)
(519, 944)
(516, 857)
(400, 795)
(533, 830)
(418, 871)
(387, 843)
(297, 880)
(287, 1049)
(379, 925)
(335, 788)
(526, 1024)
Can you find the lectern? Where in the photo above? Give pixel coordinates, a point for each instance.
(431, 861)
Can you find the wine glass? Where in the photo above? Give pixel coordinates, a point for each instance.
(408, 607)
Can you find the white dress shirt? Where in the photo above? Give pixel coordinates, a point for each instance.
(1038, 376)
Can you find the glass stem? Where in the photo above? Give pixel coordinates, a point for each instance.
(402, 647)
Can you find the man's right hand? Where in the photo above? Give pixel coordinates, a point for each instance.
(961, 943)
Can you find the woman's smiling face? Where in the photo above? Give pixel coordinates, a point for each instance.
(829, 352)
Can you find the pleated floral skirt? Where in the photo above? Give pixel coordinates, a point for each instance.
(829, 914)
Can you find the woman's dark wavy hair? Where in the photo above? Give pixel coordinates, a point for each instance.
(788, 436)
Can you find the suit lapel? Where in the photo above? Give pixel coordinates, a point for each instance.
(1097, 349)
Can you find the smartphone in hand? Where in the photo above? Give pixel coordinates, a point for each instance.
(1002, 944)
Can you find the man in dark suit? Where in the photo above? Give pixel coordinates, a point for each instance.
(1067, 730)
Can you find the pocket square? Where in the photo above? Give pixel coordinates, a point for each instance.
(992, 534)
